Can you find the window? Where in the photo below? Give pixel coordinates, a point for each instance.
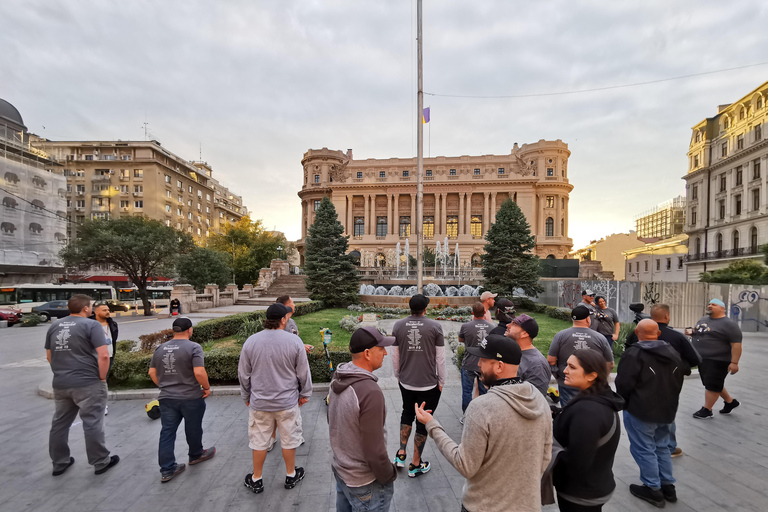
(698, 246)
(69, 203)
(735, 239)
(753, 239)
(476, 226)
(477, 172)
(742, 113)
(645, 266)
(178, 212)
(207, 209)
(452, 226)
(125, 204)
(429, 172)
(724, 150)
(740, 142)
(679, 263)
(207, 197)
(550, 226)
(405, 226)
(168, 222)
(721, 209)
(359, 175)
(428, 227)
(406, 174)
(317, 178)
(190, 189)
(138, 204)
(759, 102)
(756, 169)
(359, 226)
(180, 199)
(501, 170)
(726, 123)
(382, 174)
(719, 243)
(755, 199)
(189, 203)
(695, 161)
(669, 263)
(381, 226)
(180, 184)
(723, 183)
(758, 133)
(199, 207)
(189, 216)
(452, 172)
(739, 175)
(550, 171)
(168, 193)
(694, 191)
(698, 136)
(550, 201)
(124, 189)
(316, 205)
(138, 189)
(562, 227)
(168, 208)
(199, 194)
(737, 204)
(658, 264)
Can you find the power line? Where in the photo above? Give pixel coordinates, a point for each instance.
(595, 89)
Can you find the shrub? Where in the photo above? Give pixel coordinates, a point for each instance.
(221, 364)
(349, 323)
(458, 357)
(32, 319)
(131, 366)
(124, 346)
(524, 303)
(318, 363)
(559, 313)
(149, 342)
(248, 328)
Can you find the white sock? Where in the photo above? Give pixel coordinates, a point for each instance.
(255, 479)
(291, 475)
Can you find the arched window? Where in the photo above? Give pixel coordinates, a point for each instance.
(359, 226)
(562, 227)
(759, 102)
(742, 113)
(381, 226)
(476, 260)
(698, 136)
(735, 239)
(355, 255)
(550, 256)
(719, 243)
(753, 240)
(476, 226)
(726, 123)
(698, 246)
(452, 226)
(428, 227)
(550, 227)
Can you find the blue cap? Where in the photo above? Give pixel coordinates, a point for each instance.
(718, 302)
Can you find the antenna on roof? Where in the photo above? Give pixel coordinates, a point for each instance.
(201, 151)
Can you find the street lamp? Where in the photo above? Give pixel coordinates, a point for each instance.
(279, 252)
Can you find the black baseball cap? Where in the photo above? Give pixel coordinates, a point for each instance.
(498, 348)
(181, 324)
(418, 302)
(505, 305)
(368, 337)
(528, 324)
(580, 312)
(277, 311)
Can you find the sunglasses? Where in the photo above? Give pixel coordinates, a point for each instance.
(100, 303)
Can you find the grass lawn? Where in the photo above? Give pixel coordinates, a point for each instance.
(310, 325)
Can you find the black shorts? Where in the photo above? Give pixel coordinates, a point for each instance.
(713, 374)
(411, 398)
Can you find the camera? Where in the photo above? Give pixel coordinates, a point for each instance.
(637, 308)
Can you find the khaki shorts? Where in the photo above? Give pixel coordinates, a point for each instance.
(261, 424)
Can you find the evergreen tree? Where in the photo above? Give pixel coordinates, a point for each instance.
(508, 262)
(331, 274)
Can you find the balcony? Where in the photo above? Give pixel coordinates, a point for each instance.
(717, 255)
(101, 177)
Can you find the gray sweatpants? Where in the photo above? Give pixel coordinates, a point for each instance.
(90, 402)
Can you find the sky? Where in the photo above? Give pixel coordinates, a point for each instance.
(252, 85)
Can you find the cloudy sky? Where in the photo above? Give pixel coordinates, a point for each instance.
(257, 83)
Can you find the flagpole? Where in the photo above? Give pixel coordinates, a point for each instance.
(419, 157)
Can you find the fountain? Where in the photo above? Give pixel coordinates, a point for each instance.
(396, 290)
(466, 291)
(397, 259)
(438, 255)
(407, 256)
(452, 291)
(446, 255)
(380, 290)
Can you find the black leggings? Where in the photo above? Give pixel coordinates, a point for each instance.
(411, 398)
(567, 506)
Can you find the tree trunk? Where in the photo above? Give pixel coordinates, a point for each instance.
(145, 300)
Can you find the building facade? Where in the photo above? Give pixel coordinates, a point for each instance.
(660, 261)
(33, 223)
(726, 190)
(375, 199)
(607, 251)
(109, 179)
(664, 221)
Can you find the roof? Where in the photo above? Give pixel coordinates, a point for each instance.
(9, 113)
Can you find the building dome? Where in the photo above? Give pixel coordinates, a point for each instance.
(9, 114)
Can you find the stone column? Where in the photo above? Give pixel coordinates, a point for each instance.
(389, 214)
(493, 208)
(304, 214)
(396, 226)
(486, 215)
(444, 213)
(461, 213)
(365, 213)
(437, 216)
(468, 216)
(558, 215)
(372, 230)
(350, 216)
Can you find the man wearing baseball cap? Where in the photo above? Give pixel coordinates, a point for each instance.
(274, 382)
(488, 299)
(534, 367)
(177, 368)
(588, 301)
(567, 341)
(356, 417)
(505, 313)
(718, 341)
(507, 439)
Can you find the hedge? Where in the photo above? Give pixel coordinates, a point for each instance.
(557, 313)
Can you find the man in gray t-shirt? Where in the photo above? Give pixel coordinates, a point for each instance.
(567, 341)
(471, 334)
(533, 366)
(76, 348)
(178, 370)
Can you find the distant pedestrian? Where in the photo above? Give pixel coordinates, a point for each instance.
(689, 356)
(567, 341)
(471, 334)
(357, 414)
(718, 341)
(274, 383)
(606, 320)
(534, 367)
(174, 307)
(418, 359)
(588, 301)
(102, 315)
(649, 378)
(505, 313)
(507, 439)
(76, 349)
(588, 429)
(291, 326)
(488, 299)
(178, 369)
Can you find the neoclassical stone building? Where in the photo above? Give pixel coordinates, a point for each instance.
(376, 198)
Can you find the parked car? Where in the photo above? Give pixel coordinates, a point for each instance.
(116, 305)
(53, 309)
(11, 315)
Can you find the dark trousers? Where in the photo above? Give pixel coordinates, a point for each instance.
(567, 506)
(172, 411)
(410, 398)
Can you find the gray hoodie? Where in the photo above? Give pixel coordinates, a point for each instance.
(356, 414)
(505, 448)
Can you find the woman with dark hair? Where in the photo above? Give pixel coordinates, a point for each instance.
(588, 429)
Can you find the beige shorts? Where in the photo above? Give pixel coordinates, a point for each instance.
(261, 424)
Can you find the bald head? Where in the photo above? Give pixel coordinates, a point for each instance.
(647, 330)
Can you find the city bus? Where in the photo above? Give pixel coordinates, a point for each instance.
(28, 296)
(160, 296)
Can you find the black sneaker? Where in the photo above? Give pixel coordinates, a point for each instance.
(655, 498)
(291, 481)
(728, 407)
(703, 414)
(61, 471)
(255, 487)
(113, 460)
(167, 477)
(423, 467)
(208, 453)
(399, 461)
(669, 493)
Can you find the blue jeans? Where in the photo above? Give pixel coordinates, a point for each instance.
(649, 446)
(372, 497)
(566, 393)
(468, 386)
(172, 411)
(672, 437)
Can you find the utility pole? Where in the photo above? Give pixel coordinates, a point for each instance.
(419, 158)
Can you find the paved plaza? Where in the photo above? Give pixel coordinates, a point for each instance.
(725, 466)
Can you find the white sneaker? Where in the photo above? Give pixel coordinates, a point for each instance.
(106, 410)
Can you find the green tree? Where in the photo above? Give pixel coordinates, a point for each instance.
(248, 246)
(428, 257)
(140, 247)
(508, 262)
(331, 274)
(738, 272)
(202, 266)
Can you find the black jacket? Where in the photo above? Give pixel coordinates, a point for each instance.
(583, 471)
(650, 377)
(680, 342)
(112, 331)
(499, 329)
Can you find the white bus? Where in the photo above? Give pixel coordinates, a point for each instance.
(160, 296)
(28, 296)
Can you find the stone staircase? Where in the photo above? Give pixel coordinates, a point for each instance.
(287, 284)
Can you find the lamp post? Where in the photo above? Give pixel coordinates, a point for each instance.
(279, 252)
